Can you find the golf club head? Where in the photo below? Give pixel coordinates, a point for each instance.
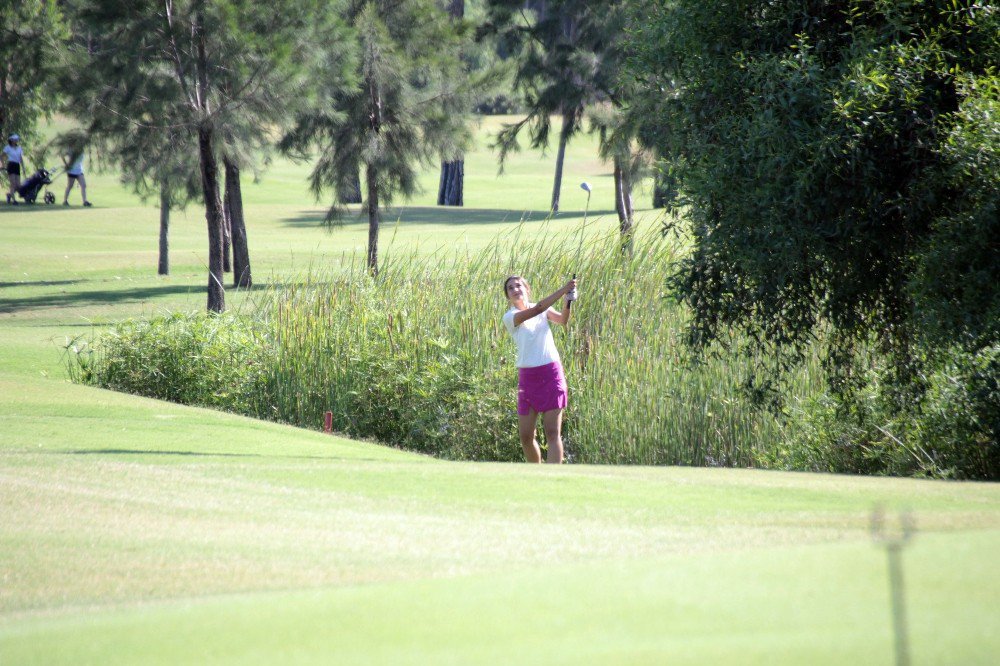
(585, 187)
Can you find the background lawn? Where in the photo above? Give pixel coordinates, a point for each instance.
(136, 531)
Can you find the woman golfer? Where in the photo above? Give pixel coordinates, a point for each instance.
(74, 174)
(15, 166)
(541, 385)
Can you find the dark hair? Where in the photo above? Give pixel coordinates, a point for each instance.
(515, 277)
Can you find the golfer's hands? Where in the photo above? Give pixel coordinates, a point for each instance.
(570, 290)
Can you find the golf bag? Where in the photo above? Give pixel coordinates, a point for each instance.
(30, 188)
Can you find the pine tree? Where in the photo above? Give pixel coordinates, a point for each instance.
(570, 54)
(153, 162)
(392, 114)
(32, 35)
(560, 73)
(229, 69)
(617, 129)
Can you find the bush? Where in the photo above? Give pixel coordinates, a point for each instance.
(949, 428)
(214, 361)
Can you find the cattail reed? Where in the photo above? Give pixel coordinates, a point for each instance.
(417, 358)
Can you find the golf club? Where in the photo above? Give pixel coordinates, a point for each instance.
(585, 186)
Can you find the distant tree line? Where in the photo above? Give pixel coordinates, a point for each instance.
(185, 96)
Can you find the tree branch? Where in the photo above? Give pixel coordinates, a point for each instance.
(178, 65)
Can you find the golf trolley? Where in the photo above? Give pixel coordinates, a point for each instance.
(30, 188)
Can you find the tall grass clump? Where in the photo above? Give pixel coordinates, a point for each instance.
(186, 358)
(419, 358)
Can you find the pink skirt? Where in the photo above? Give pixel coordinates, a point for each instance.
(541, 389)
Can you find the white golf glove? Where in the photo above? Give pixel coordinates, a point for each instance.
(571, 296)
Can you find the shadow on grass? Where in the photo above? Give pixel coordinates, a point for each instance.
(445, 215)
(79, 324)
(111, 296)
(197, 454)
(40, 283)
(38, 207)
(94, 297)
(122, 296)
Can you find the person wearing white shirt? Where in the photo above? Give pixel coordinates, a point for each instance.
(541, 385)
(15, 166)
(74, 173)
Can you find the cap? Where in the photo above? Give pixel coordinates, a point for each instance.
(14, 137)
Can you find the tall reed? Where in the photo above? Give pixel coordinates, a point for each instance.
(419, 357)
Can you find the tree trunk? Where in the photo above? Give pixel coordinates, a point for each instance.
(567, 129)
(450, 191)
(227, 216)
(214, 217)
(664, 189)
(209, 173)
(623, 204)
(227, 234)
(242, 278)
(352, 193)
(163, 268)
(370, 176)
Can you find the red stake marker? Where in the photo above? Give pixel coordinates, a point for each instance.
(328, 422)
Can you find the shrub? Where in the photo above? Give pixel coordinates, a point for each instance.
(948, 428)
(214, 361)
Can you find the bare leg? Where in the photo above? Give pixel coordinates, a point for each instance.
(83, 188)
(69, 186)
(552, 422)
(526, 429)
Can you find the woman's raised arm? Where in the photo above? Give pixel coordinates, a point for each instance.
(543, 305)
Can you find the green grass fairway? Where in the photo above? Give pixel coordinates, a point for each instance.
(134, 531)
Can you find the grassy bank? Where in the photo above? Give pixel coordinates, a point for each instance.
(156, 533)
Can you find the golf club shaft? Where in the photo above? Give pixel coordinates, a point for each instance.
(579, 249)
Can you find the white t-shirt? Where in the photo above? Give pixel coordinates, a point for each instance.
(77, 168)
(13, 153)
(535, 344)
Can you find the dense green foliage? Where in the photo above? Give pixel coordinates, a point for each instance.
(420, 359)
(840, 160)
(841, 169)
(31, 38)
(948, 429)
